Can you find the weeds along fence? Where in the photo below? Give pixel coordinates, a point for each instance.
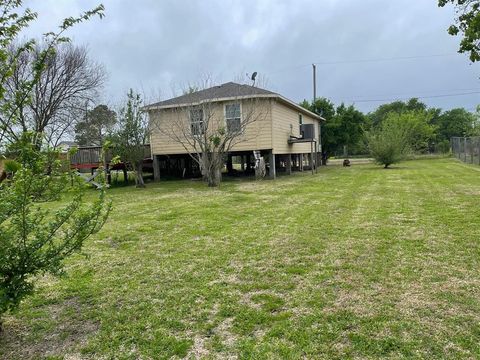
(466, 149)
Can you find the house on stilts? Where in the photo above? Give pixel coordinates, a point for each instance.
(286, 134)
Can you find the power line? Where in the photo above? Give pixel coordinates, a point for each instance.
(357, 61)
(464, 92)
(409, 93)
(398, 58)
(418, 97)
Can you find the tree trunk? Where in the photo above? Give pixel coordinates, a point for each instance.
(211, 166)
(139, 183)
(214, 177)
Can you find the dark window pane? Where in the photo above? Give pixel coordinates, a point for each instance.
(232, 111)
(196, 121)
(233, 125)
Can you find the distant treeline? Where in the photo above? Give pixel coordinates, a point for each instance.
(343, 132)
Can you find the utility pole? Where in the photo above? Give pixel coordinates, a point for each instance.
(314, 82)
(319, 150)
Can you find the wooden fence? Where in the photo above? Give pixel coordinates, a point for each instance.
(91, 156)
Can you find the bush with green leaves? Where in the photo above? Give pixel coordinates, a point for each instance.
(443, 147)
(36, 238)
(131, 136)
(420, 131)
(389, 142)
(11, 166)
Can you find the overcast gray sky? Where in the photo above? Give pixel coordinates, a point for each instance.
(159, 45)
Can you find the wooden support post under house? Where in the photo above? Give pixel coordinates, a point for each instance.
(156, 168)
(229, 163)
(271, 161)
(289, 164)
(312, 162)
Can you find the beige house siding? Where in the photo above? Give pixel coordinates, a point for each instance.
(160, 143)
(274, 122)
(258, 134)
(286, 123)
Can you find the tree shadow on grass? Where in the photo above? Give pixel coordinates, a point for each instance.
(380, 167)
(47, 334)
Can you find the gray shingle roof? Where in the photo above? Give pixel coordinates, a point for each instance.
(227, 90)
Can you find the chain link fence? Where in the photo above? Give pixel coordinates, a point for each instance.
(466, 149)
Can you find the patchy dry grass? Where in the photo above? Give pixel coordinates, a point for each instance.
(354, 262)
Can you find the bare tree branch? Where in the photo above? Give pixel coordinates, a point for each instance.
(207, 138)
(69, 77)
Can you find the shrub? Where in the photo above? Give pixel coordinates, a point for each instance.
(34, 238)
(388, 143)
(443, 147)
(11, 166)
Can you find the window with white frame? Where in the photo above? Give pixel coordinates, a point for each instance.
(233, 118)
(196, 122)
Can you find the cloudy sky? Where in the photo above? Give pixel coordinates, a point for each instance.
(368, 52)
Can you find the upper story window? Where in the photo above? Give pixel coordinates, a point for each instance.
(300, 123)
(233, 118)
(196, 122)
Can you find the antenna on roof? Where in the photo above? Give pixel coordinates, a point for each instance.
(254, 75)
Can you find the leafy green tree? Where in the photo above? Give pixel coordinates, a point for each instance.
(388, 142)
(343, 126)
(11, 24)
(331, 136)
(34, 238)
(442, 147)
(455, 122)
(418, 128)
(326, 109)
(382, 111)
(398, 107)
(350, 124)
(476, 123)
(322, 106)
(132, 135)
(94, 128)
(468, 24)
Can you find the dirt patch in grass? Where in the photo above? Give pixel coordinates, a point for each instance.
(262, 185)
(354, 301)
(415, 299)
(60, 337)
(198, 350)
(224, 330)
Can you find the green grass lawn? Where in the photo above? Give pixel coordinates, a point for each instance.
(354, 262)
